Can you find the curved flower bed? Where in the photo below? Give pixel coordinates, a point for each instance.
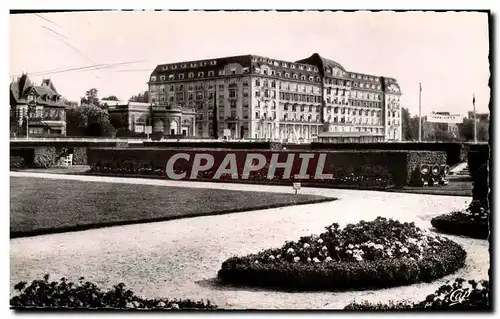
(377, 254)
(471, 222)
(461, 295)
(65, 294)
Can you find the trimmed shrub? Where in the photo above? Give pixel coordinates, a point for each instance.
(453, 150)
(378, 254)
(80, 156)
(477, 156)
(472, 222)
(45, 157)
(461, 295)
(65, 294)
(17, 162)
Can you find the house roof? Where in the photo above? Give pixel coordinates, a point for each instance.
(46, 94)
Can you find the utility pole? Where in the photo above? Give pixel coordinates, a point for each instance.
(475, 121)
(420, 112)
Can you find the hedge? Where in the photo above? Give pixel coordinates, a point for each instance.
(380, 168)
(476, 158)
(214, 145)
(454, 151)
(368, 255)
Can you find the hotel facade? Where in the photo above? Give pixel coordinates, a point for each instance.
(254, 97)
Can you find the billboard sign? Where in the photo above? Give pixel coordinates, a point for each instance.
(445, 118)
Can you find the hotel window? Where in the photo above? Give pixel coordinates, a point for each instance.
(213, 63)
(184, 66)
(264, 71)
(328, 70)
(190, 75)
(232, 104)
(293, 66)
(257, 82)
(256, 115)
(295, 76)
(246, 70)
(162, 77)
(232, 93)
(153, 78)
(171, 76)
(233, 71)
(200, 74)
(181, 76)
(210, 73)
(303, 77)
(257, 93)
(287, 75)
(222, 72)
(284, 65)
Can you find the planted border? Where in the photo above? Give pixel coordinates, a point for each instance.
(365, 264)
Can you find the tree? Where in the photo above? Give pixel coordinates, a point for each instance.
(111, 98)
(466, 130)
(142, 98)
(90, 97)
(118, 120)
(88, 120)
(409, 125)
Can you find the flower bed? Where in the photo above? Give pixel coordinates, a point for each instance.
(471, 222)
(461, 295)
(377, 254)
(65, 294)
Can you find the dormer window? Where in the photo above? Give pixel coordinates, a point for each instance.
(293, 66)
(181, 76)
(301, 67)
(295, 76)
(200, 74)
(210, 73)
(213, 63)
(284, 65)
(287, 75)
(191, 75)
(193, 65)
(153, 78)
(174, 66)
(165, 67)
(328, 70)
(162, 77)
(184, 66)
(203, 63)
(171, 76)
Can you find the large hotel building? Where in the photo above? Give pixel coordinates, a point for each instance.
(255, 97)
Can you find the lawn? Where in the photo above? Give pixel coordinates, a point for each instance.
(40, 206)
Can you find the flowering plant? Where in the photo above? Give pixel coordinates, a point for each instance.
(65, 294)
(461, 295)
(379, 253)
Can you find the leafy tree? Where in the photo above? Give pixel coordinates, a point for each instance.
(111, 98)
(118, 120)
(91, 97)
(409, 125)
(142, 98)
(466, 129)
(88, 120)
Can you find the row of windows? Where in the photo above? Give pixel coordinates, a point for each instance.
(366, 95)
(302, 108)
(191, 64)
(286, 64)
(366, 86)
(337, 82)
(355, 120)
(357, 129)
(354, 112)
(294, 76)
(366, 104)
(364, 77)
(299, 87)
(299, 97)
(301, 118)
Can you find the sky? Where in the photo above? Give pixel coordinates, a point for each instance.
(447, 52)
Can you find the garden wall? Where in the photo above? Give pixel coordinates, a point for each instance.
(348, 168)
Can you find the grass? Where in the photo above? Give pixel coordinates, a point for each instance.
(41, 206)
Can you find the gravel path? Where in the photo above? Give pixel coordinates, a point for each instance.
(180, 258)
